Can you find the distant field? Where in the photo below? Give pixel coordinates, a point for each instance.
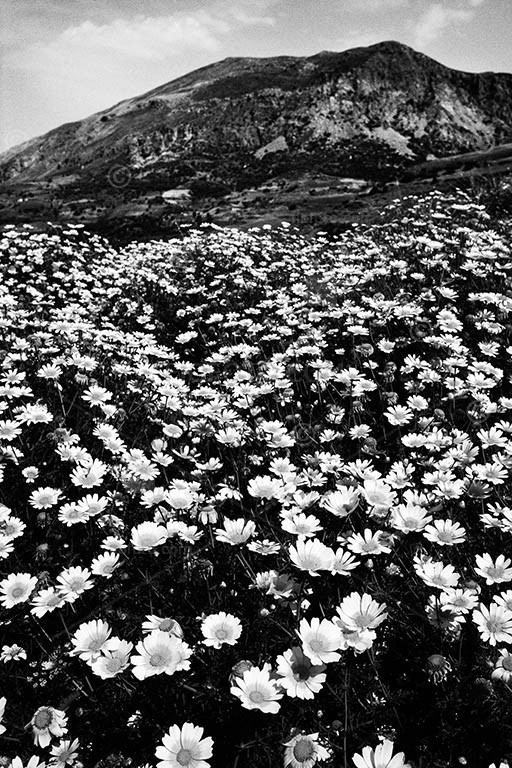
(314, 201)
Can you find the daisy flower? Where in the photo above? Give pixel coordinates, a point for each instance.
(399, 415)
(265, 487)
(113, 660)
(151, 498)
(504, 599)
(494, 572)
(301, 525)
(449, 489)
(46, 723)
(35, 414)
(256, 690)
(71, 514)
(160, 653)
(320, 640)
(6, 547)
(49, 371)
(44, 498)
(84, 362)
(235, 531)
(221, 629)
(311, 555)
(343, 563)
(281, 585)
(32, 763)
(180, 498)
(359, 640)
(303, 751)
(165, 625)
(3, 702)
(442, 617)
(437, 574)
(105, 565)
(64, 753)
(12, 527)
(299, 677)
(89, 475)
(378, 494)
(409, 517)
(172, 430)
(144, 469)
(503, 667)
(265, 547)
(113, 543)
(96, 395)
(494, 623)
(73, 582)
(360, 432)
(417, 403)
(359, 612)
(184, 748)
(146, 536)
(188, 533)
(16, 588)
(9, 429)
(380, 757)
(368, 543)
(458, 600)
(91, 639)
(342, 502)
(445, 533)
(12, 653)
(46, 601)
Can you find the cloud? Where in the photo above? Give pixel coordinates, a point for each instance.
(377, 5)
(249, 19)
(438, 18)
(142, 37)
(89, 65)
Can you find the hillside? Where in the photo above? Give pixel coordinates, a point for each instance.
(217, 119)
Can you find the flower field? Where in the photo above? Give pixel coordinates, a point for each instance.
(256, 498)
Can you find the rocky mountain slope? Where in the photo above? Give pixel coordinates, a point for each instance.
(226, 117)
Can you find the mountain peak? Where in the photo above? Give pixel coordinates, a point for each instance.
(216, 119)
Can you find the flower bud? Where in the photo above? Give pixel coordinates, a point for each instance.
(438, 668)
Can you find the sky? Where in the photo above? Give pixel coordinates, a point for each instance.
(62, 60)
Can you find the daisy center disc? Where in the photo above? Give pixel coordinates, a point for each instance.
(113, 665)
(76, 584)
(184, 757)
(256, 697)
(303, 751)
(43, 719)
(301, 671)
(166, 625)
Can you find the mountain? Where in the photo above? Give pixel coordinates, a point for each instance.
(228, 119)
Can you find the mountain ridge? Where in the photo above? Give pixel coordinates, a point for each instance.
(222, 114)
